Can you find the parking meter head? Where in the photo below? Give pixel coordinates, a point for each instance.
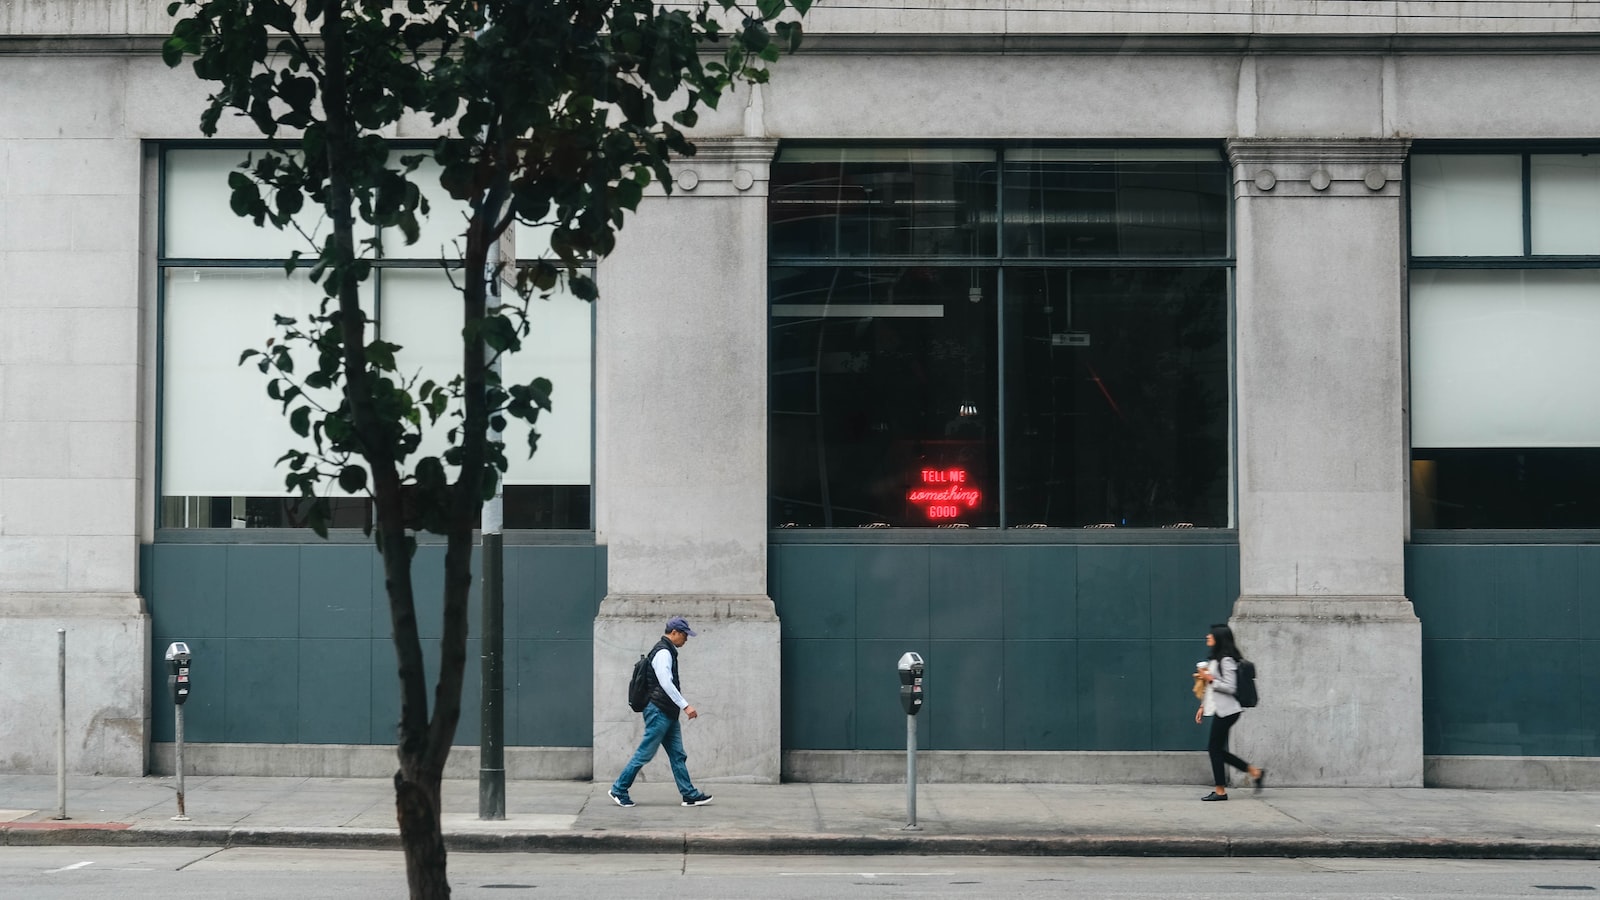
(178, 658)
(911, 670)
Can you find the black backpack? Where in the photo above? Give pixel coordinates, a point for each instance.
(640, 685)
(1245, 687)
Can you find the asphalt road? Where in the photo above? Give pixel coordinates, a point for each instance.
(136, 873)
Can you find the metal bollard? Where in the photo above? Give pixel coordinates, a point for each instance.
(61, 725)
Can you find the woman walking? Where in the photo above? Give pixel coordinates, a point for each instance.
(1222, 682)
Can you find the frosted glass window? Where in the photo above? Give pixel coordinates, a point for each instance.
(221, 434)
(200, 224)
(441, 234)
(1466, 205)
(422, 313)
(1505, 359)
(1566, 204)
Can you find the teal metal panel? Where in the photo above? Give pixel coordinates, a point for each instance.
(192, 582)
(1041, 593)
(819, 689)
(1113, 593)
(1041, 711)
(1588, 596)
(336, 591)
(1113, 685)
(550, 593)
(966, 593)
(1509, 650)
(335, 681)
(292, 640)
(815, 587)
(1536, 592)
(970, 710)
(259, 708)
(1008, 663)
(263, 599)
(1188, 592)
(892, 592)
(562, 717)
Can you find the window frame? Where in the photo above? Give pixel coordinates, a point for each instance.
(1001, 262)
(162, 263)
(1527, 260)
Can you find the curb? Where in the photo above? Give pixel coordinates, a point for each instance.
(815, 844)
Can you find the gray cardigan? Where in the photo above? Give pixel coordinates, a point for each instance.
(1224, 686)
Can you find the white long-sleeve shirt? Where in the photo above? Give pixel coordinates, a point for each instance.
(662, 664)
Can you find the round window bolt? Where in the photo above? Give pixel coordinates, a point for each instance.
(1265, 180)
(1375, 180)
(743, 180)
(1320, 180)
(687, 179)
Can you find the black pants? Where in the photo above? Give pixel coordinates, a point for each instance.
(1218, 748)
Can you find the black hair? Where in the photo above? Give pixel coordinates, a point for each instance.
(1225, 645)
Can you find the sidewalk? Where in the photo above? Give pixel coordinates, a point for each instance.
(1015, 819)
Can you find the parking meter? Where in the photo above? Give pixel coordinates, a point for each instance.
(178, 671)
(911, 669)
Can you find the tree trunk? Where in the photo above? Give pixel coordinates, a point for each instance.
(417, 809)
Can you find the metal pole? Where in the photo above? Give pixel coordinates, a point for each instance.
(911, 774)
(177, 752)
(491, 747)
(61, 724)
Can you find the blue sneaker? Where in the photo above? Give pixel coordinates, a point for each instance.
(623, 800)
(696, 799)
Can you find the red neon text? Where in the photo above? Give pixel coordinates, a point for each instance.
(943, 493)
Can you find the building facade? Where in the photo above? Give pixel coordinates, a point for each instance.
(1029, 337)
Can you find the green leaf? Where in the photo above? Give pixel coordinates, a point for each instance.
(300, 420)
(353, 479)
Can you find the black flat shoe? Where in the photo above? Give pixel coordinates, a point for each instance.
(1260, 780)
(1214, 796)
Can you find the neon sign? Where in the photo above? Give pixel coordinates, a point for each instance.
(944, 494)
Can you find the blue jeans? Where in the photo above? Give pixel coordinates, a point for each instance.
(659, 730)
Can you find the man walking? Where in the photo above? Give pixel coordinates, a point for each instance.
(661, 725)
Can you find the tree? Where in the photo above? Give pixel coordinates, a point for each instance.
(546, 112)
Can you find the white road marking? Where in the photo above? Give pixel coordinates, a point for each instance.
(77, 865)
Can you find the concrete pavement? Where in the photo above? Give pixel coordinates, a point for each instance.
(1018, 819)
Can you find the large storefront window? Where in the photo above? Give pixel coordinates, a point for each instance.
(999, 337)
(221, 282)
(1505, 325)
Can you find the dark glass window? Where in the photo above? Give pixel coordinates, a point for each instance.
(1117, 397)
(883, 387)
(1073, 374)
(1074, 208)
(883, 202)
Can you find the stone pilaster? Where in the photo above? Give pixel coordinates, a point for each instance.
(681, 466)
(1322, 463)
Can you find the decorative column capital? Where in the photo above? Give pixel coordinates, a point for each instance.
(724, 167)
(1270, 167)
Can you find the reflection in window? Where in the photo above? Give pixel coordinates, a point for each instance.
(1026, 369)
(1117, 397)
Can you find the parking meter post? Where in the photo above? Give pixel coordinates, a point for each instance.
(178, 658)
(911, 670)
(61, 724)
(911, 774)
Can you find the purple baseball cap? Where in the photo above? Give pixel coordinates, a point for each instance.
(679, 623)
